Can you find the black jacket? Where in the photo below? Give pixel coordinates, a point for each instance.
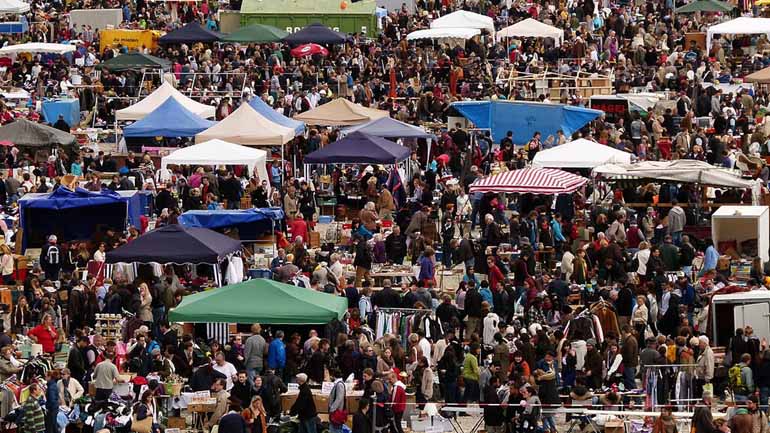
(386, 298)
(304, 406)
(493, 415)
(233, 423)
(361, 423)
(473, 303)
(395, 247)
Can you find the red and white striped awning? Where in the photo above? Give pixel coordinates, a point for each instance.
(530, 180)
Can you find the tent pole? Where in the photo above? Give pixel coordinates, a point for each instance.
(283, 147)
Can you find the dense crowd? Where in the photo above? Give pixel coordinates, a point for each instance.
(508, 335)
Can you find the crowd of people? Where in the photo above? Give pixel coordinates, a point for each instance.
(512, 334)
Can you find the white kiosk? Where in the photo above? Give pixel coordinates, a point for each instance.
(742, 223)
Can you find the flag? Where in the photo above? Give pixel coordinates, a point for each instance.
(396, 187)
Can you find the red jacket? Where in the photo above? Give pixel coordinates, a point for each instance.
(496, 277)
(399, 398)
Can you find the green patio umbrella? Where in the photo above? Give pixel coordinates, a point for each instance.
(260, 301)
(256, 33)
(705, 6)
(130, 61)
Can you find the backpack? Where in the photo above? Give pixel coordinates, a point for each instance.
(734, 378)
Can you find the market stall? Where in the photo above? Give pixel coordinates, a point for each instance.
(25, 133)
(190, 33)
(37, 47)
(738, 26)
(682, 170)
(132, 61)
(464, 19)
(340, 112)
(532, 28)
(75, 214)
(155, 99)
(256, 33)
(170, 119)
(525, 118)
(580, 153)
(252, 224)
(359, 148)
(443, 34)
(218, 152)
(247, 127)
(742, 230)
(178, 245)
(272, 115)
(263, 301)
(530, 180)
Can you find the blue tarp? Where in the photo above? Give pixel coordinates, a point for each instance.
(63, 213)
(525, 118)
(170, 119)
(389, 128)
(251, 223)
(68, 108)
(270, 114)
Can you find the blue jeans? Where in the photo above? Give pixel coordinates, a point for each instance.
(474, 213)
(549, 423)
(253, 373)
(764, 394)
(629, 378)
(306, 425)
(677, 238)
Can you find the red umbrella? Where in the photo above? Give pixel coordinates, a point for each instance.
(309, 50)
(443, 158)
(6, 143)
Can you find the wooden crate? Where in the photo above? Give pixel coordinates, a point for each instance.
(315, 239)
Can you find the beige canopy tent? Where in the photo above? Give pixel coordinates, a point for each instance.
(761, 77)
(532, 28)
(246, 126)
(340, 112)
(155, 99)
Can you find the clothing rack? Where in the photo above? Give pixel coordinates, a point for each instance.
(414, 310)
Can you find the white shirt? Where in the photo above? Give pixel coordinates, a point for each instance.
(425, 349)
(228, 370)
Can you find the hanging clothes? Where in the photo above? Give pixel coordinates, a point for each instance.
(606, 315)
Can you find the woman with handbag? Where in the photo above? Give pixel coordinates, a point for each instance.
(145, 413)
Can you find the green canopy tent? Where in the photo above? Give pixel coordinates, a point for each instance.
(258, 33)
(705, 6)
(261, 301)
(131, 61)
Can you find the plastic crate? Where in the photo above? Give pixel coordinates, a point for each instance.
(325, 219)
(260, 273)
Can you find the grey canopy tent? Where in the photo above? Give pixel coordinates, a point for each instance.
(25, 133)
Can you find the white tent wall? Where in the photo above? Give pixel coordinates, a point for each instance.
(97, 19)
(738, 26)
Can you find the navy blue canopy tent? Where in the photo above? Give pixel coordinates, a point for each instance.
(360, 148)
(76, 215)
(270, 114)
(170, 119)
(251, 223)
(190, 33)
(316, 33)
(525, 118)
(389, 128)
(179, 245)
(176, 244)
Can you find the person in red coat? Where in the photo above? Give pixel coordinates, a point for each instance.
(398, 400)
(298, 228)
(494, 274)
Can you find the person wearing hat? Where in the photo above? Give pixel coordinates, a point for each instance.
(50, 259)
(593, 365)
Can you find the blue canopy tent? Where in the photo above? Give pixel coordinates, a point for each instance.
(74, 215)
(360, 148)
(270, 114)
(251, 223)
(170, 119)
(525, 118)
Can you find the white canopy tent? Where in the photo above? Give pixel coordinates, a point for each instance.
(218, 152)
(681, 170)
(580, 153)
(13, 7)
(532, 28)
(37, 47)
(464, 20)
(155, 99)
(443, 33)
(738, 26)
(246, 126)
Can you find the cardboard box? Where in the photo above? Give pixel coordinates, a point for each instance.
(176, 422)
(614, 426)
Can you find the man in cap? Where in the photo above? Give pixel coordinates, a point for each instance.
(50, 259)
